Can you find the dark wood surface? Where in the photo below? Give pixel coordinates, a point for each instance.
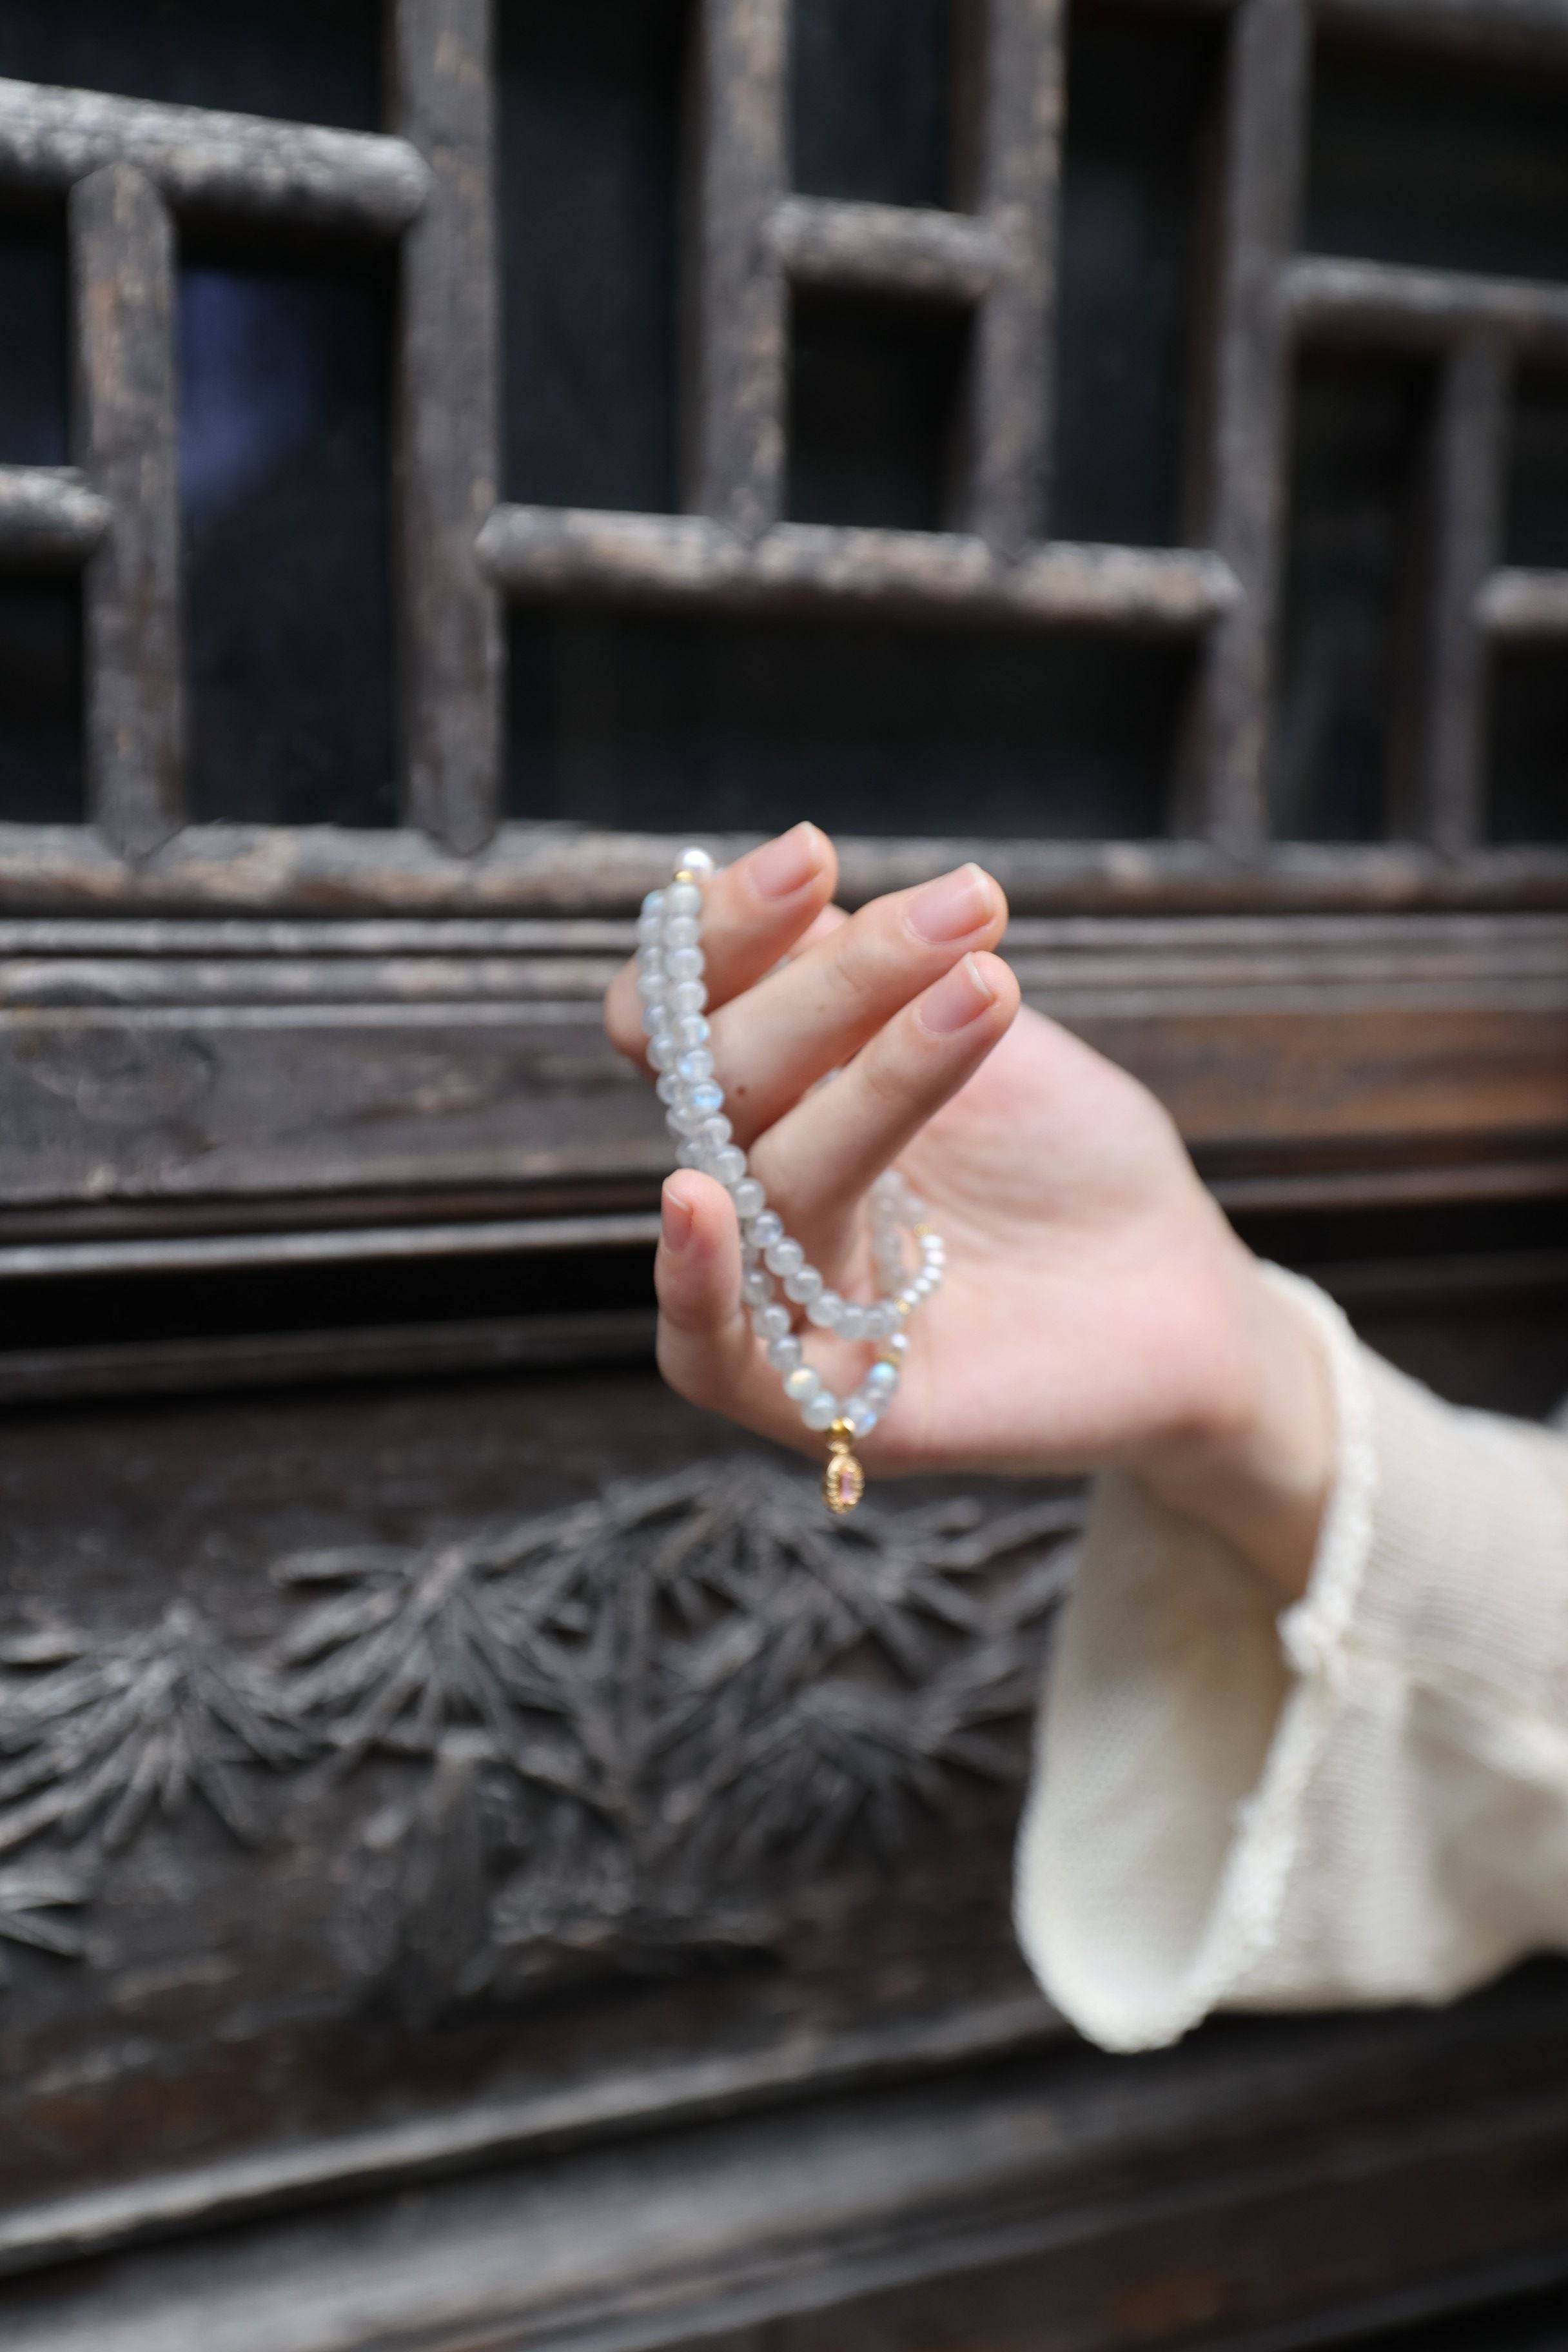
(123, 249)
(1330, 1052)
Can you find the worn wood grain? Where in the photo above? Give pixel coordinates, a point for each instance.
(449, 670)
(197, 158)
(1383, 302)
(50, 520)
(552, 554)
(1466, 466)
(1266, 103)
(1018, 171)
(887, 248)
(1071, 2204)
(156, 1079)
(122, 256)
(325, 872)
(734, 398)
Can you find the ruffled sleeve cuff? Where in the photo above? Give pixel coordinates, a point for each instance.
(1354, 1802)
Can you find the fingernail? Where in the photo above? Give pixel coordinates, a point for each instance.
(674, 1219)
(953, 905)
(786, 863)
(960, 997)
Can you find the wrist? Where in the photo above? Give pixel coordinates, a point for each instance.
(1260, 1472)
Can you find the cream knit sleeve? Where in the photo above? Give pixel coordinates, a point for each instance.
(1363, 1799)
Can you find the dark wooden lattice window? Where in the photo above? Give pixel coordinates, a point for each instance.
(450, 449)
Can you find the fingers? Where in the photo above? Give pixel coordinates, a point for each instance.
(811, 1014)
(706, 1349)
(753, 912)
(819, 1160)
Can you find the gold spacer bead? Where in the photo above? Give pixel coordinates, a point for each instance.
(683, 873)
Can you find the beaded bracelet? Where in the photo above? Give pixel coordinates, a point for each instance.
(669, 982)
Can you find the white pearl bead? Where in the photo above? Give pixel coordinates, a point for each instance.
(672, 996)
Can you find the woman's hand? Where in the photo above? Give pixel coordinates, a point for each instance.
(1096, 1309)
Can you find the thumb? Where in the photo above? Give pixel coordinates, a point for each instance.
(706, 1349)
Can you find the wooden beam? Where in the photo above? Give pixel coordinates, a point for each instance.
(240, 164)
(50, 520)
(550, 871)
(351, 1245)
(735, 371)
(447, 428)
(887, 248)
(123, 257)
(1427, 309)
(1519, 605)
(688, 560)
(1465, 511)
(1019, 169)
(1264, 132)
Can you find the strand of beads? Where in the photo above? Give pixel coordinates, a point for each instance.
(671, 986)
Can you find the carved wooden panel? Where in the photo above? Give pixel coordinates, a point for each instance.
(518, 1716)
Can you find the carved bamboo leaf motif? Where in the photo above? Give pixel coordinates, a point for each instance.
(657, 1710)
(96, 1741)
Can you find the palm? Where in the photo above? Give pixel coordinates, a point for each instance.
(1092, 1286)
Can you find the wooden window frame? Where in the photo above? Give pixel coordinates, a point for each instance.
(131, 167)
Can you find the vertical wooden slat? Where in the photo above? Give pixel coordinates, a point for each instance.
(122, 263)
(735, 389)
(1265, 97)
(1466, 508)
(1019, 170)
(449, 637)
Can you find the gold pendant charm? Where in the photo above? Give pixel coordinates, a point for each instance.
(843, 1481)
